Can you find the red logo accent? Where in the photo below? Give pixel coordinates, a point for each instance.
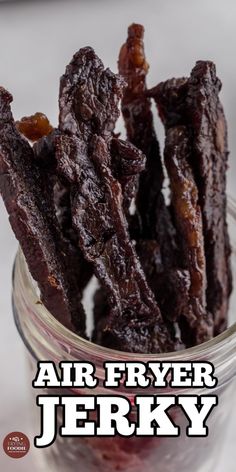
(16, 445)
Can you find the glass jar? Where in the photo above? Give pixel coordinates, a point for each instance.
(46, 339)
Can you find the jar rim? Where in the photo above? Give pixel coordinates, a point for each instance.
(202, 350)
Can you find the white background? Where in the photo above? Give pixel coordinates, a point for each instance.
(37, 40)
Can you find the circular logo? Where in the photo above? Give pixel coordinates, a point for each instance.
(16, 445)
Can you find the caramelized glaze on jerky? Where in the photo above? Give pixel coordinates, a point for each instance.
(34, 127)
(188, 220)
(24, 197)
(210, 160)
(134, 323)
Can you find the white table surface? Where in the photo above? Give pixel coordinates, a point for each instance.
(37, 40)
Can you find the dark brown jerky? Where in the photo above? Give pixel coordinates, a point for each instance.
(195, 103)
(101, 312)
(89, 95)
(155, 217)
(188, 220)
(134, 323)
(24, 197)
(44, 150)
(170, 98)
(59, 193)
(34, 127)
(210, 160)
(136, 110)
(127, 164)
(171, 287)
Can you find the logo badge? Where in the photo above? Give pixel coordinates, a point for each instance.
(16, 445)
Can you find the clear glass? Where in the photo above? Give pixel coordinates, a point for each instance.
(47, 339)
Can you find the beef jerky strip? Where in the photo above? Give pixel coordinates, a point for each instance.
(78, 267)
(40, 131)
(23, 194)
(188, 220)
(210, 160)
(127, 164)
(80, 105)
(170, 98)
(196, 104)
(89, 98)
(171, 287)
(134, 322)
(136, 109)
(101, 313)
(37, 127)
(158, 232)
